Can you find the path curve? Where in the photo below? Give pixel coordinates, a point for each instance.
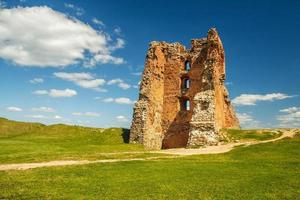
(172, 153)
(223, 148)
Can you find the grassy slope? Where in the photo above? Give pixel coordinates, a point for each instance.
(34, 142)
(265, 171)
(253, 134)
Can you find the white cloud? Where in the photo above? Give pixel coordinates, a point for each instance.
(244, 118)
(114, 81)
(62, 93)
(108, 100)
(120, 100)
(118, 45)
(136, 73)
(56, 93)
(291, 118)
(40, 92)
(290, 110)
(43, 109)
(25, 40)
(44, 117)
(124, 86)
(37, 116)
(117, 30)
(121, 118)
(36, 80)
(123, 100)
(120, 83)
(57, 117)
(247, 121)
(79, 11)
(251, 99)
(104, 59)
(14, 109)
(86, 114)
(98, 21)
(84, 80)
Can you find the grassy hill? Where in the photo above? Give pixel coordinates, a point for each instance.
(264, 171)
(36, 142)
(33, 142)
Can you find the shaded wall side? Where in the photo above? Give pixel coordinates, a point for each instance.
(175, 122)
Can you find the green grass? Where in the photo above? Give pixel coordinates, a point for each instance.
(265, 171)
(237, 134)
(34, 142)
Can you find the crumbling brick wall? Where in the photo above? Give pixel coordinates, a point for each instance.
(161, 118)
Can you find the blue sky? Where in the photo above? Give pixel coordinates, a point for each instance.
(79, 62)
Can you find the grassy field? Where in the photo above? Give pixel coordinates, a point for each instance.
(253, 134)
(264, 171)
(34, 142)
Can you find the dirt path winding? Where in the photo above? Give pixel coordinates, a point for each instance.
(222, 148)
(172, 153)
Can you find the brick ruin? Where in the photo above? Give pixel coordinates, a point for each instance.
(183, 101)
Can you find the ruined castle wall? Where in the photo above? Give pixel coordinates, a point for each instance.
(212, 110)
(176, 120)
(174, 125)
(146, 127)
(159, 120)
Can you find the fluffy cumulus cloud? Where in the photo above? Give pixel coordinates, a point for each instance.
(56, 93)
(14, 109)
(43, 37)
(86, 114)
(84, 80)
(120, 83)
(120, 100)
(36, 80)
(43, 109)
(119, 44)
(290, 117)
(251, 99)
(121, 118)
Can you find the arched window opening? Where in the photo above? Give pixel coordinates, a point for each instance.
(187, 66)
(186, 105)
(186, 83)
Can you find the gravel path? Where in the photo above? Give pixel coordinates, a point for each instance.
(172, 153)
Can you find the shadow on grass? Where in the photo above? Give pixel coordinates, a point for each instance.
(125, 135)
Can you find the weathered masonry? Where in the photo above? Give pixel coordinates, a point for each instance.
(183, 101)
